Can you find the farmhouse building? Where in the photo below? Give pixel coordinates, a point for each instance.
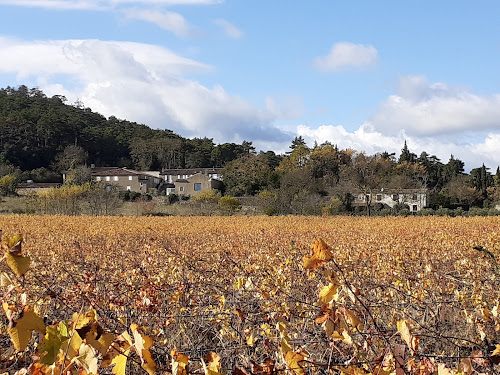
(197, 183)
(415, 199)
(191, 181)
(127, 179)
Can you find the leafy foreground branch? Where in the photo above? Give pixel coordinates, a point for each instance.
(358, 340)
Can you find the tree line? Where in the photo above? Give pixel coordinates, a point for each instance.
(312, 180)
(40, 137)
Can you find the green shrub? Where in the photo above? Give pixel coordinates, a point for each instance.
(229, 205)
(8, 185)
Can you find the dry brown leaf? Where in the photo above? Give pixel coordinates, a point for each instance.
(320, 252)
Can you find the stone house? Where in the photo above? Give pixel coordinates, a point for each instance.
(195, 184)
(172, 175)
(415, 199)
(191, 181)
(127, 179)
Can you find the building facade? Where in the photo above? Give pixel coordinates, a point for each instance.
(127, 179)
(195, 184)
(415, 199)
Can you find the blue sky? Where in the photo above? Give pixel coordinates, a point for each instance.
(361, 74)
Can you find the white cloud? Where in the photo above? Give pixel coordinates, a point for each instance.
(346, 54)
(231, 30)
(424, 109)
(100, 4)
(167, 20)
(138, 82)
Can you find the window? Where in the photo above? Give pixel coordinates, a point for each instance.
(116, 178)
(395, 197)
(414, 197)
(181, 188)
(379, 197)
(197, 186)
(108, 178)
(98, 178)
(130, 178)
(368, 197)
(129, 188)
(414, 207)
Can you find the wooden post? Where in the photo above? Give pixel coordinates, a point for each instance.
(399, 356)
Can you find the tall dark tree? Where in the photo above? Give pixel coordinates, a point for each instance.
(454, 168)
(406, 155)
(297, 142)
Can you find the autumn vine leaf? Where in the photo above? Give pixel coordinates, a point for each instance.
(329, 293)
(296, 361)
(12, 248)
(320, 252)
(179, 363)
(50, 347)
(408, 338)
(22, 324)
(214, 366)
(142, 344)
(87, 359)
(117, 354)
(14, 244)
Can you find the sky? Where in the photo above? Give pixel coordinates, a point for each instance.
(366, 75)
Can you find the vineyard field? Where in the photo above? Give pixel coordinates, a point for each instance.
(250, 295)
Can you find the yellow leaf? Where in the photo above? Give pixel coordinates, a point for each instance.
(142, 344)
(329, 293)
(120, 363)
(13, 244)
(5, 279)
(346, 338)
(102, 344)
(55, 336)
(179, 363)
(320, 252)
(285, 345)
(82, 320)
(250, 339)
(18, 264)
(117, 354)
(295, 361)
(71, 347)
(497, 350)
(213, 362)
(20, 329)
(408, 338)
